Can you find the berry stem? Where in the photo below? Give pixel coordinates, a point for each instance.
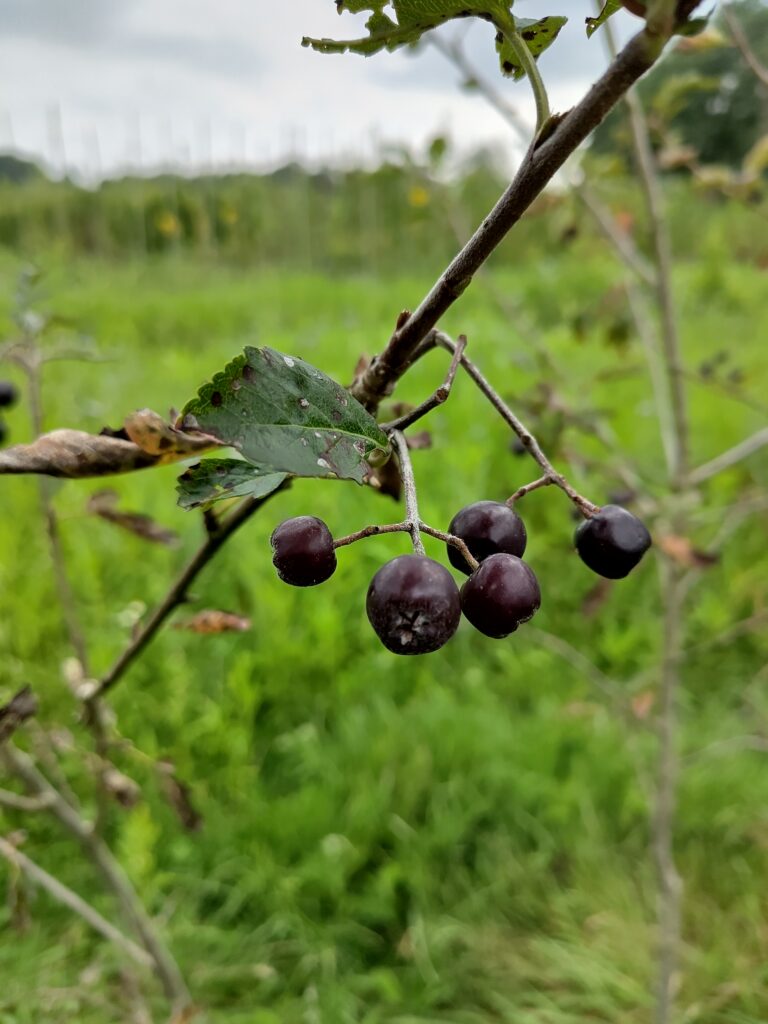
(371, 531)
(409, 487)
(456, 542)
(440, 396)
(405, 527)
(543, 481)
(529, 442)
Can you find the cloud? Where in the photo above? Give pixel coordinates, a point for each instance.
(234, 71)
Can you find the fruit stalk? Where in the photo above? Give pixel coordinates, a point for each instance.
(412, 517)
(527, 439)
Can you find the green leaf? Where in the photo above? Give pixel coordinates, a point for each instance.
(415, 17)
(609, 8)
(537, 36)
(287, 416)
(216, 479)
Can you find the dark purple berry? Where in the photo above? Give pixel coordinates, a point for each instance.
(500, 595)
(612, 542)
(486, 527)
(8, 394)
(413, 605)
(303, 552)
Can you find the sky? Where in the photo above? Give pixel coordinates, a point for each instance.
(100, 87)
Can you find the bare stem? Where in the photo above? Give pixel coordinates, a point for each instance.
(405, 527)
(731, 457)
(177, 593)
(662, 265)
(543, 481)
(670, 884)
(587, 508)
(409, 487)
(371, 531)
(95, 714)
(63, 894)
(100, 855)
(439, 396)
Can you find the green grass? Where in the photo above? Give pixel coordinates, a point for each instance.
(458, 838)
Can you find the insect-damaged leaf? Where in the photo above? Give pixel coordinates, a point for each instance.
(216, 479)
(412, 18)
(287, 416)
(610, 7)
(537, 35)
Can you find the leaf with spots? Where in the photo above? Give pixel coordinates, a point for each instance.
(610, 7)
(412, 18)
(537, 36)
(286, 416)
(216, 479)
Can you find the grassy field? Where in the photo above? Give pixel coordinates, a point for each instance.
(459, 838)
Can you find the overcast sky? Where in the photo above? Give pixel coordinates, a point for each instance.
(105, 85)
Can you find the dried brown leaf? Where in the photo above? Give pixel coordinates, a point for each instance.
(210, 620)
(73, 453)
(103, 503)
(166, 442)
(146, 440)
(19, 708)
(596, 598)
(682, 551)
(124, 789)
(179, 796)
(642, 704)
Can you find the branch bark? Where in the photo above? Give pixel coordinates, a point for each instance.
(540, 164)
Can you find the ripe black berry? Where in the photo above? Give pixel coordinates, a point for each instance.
(8, 394)
(413, 605)
(612, 542)
(303, 551)
(486, 527)
(500, 595)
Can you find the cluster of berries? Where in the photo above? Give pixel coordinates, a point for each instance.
(414, 604)
(8, 397)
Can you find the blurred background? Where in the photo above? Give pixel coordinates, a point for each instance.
(567, 825)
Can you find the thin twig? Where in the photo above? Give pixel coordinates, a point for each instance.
(670, 883)
(733, 744)
(662, 252)
(177, 593)
(371, 531)
(100, 855)
(28, 804)
(730, 458)
(439, 396)
(740, 38)
(63, 894)
(543, 481)
(412, 517)
(96, 717)
(587, 508)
